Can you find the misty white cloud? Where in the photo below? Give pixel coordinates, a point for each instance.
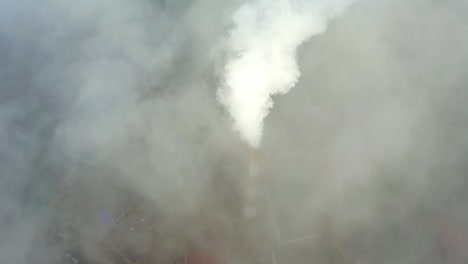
(262, 61)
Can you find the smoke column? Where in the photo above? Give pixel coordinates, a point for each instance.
(262, 59)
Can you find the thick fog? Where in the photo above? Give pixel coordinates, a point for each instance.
(108, 103)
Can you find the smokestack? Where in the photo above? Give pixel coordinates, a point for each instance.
(250, 207)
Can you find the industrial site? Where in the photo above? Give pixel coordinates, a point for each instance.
(233, 132)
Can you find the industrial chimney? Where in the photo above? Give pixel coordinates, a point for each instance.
(250, 207)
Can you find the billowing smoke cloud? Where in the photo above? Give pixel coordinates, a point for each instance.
(262, 60)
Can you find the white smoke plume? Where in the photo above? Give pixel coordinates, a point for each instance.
(262, 47)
